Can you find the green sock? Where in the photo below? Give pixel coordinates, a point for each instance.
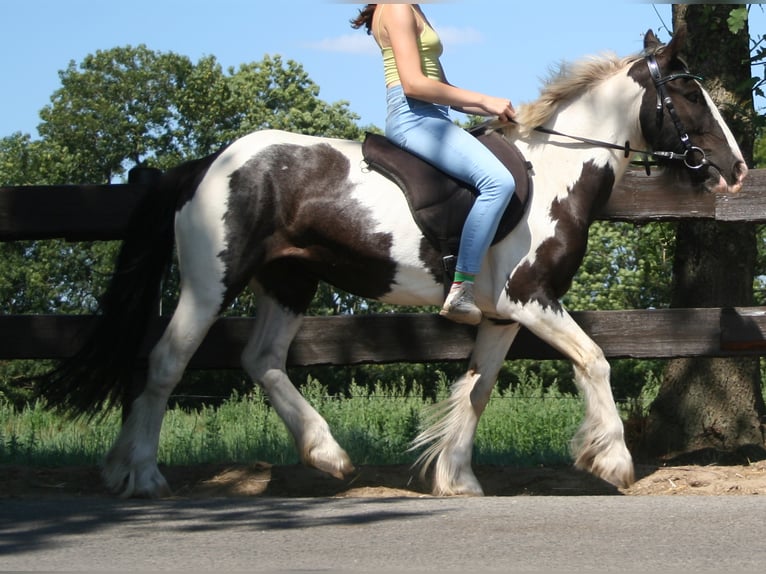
(461, 277)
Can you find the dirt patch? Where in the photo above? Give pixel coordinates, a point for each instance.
(261, 479)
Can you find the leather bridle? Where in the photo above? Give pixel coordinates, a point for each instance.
(664, 101)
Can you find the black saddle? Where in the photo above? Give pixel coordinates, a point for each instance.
(439, 202)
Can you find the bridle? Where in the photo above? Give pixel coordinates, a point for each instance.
(664, 99)
(693, 157)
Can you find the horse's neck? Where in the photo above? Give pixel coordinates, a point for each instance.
(610, 113)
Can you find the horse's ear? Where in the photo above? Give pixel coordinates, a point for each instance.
(678, 43)
(673, 49)
(651, 43)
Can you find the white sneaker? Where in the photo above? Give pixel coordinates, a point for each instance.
(459, 305)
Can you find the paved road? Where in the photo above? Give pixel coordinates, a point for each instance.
(572, 534)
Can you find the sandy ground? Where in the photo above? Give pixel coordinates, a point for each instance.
(261, 479)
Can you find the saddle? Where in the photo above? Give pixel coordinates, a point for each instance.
(440, 203)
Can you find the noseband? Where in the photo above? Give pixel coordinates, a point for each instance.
(664, 101)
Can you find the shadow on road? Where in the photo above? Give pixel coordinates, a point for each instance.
(30, 525)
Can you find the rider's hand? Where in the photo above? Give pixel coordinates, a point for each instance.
(500, 107)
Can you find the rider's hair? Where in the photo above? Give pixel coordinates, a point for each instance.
(364, 18)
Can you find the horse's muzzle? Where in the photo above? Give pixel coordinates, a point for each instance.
(717, 182)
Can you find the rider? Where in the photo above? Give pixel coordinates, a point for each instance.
(418, 102)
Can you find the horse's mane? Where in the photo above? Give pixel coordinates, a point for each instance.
(565, 82)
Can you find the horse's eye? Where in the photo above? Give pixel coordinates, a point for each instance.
(694, 97)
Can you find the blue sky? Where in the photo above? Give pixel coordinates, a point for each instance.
(500, 47)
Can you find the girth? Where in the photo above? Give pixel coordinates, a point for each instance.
(439, 202)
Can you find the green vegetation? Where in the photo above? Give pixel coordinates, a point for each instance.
(524, 425)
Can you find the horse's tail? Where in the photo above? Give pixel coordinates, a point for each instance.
(101, 371)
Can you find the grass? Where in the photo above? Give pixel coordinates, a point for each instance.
(523, 426)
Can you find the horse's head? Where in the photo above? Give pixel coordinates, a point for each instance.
(678, 116)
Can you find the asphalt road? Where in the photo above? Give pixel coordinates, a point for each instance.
(572, 534)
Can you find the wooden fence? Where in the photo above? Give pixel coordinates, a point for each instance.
(101, 212)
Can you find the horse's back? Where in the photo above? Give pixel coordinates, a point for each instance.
(267, 162)
(255, 142)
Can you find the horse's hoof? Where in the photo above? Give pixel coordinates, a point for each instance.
(137, 483)
(620, 475)
(457, 492)
(615, 466)
(336, 471)
(467, 485)
(329, 458)
(156, 488)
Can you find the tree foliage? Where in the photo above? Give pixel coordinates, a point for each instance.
(132, 106)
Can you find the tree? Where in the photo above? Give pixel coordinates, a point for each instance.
(711, 406)
(130, 106)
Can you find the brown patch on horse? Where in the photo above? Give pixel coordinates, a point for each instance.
(291, 221)
(548, 276)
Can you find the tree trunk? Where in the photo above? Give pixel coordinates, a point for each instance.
(712, 409)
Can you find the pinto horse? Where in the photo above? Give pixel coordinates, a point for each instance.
(281, 212)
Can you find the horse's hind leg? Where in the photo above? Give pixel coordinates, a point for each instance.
(131, 464)
(264, 358)
(450, 437)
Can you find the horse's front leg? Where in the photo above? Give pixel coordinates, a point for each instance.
(599, 445)
(450, 435)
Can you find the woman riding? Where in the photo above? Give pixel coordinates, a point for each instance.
(418, 101)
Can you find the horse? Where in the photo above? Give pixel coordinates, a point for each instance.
(281, 211)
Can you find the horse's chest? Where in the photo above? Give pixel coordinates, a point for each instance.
(559, 235)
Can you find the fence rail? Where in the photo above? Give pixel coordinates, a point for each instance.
(101, 212)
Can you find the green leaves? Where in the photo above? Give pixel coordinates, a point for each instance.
(114, 110)
(625, 267)
(130, 105)
(737, 19)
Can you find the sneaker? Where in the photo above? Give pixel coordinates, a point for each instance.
(459, 305)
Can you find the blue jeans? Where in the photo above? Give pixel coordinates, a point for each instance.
(426, 130)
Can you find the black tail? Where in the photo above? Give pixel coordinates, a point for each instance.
(102, 370)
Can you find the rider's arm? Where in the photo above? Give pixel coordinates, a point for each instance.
(401, 26)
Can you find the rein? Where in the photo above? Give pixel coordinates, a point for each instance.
(663, 101)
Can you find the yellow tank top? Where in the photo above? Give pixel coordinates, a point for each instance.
(430, 48)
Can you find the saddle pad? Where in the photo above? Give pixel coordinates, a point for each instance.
(440, 203)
